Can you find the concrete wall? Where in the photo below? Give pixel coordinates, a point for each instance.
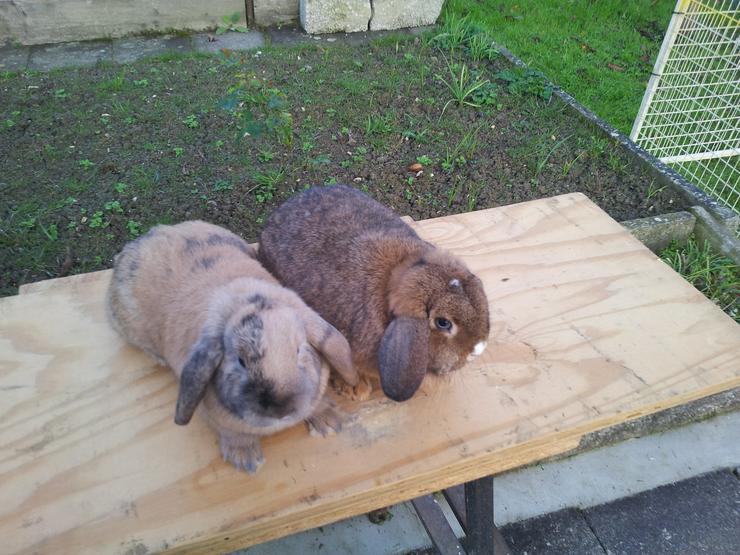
(276, 12)
(46, 21)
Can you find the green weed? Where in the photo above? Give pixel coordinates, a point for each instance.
(76, 187)
(473, 193)
(267, 183)
(51, 233)
(113, 206)
(265, 155)
(462, 86)
(96, 220)
(259, 109)
(414, 135)
(353, 85)
(542, 160)
(230, 23)
(598, 146)
(616, 163)
(481, 48)
(452, 193)
(378, 125)
(526, 81)
(134, 228)
(10, 122)
(191, 121)
(486, 95)
(716, 276)
(320, 160)
(116, 84)
(451, 161)
(464, 150)
(653, 190)
(359, 154)
(567, 166)
(455, 32)
(222, 185)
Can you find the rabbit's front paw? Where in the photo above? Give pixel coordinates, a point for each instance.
(326, 422)
(360, 392)
(244, 452)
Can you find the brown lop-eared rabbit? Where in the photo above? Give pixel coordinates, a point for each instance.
(406, 306)
(195, 298)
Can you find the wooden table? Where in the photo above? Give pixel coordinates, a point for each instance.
(589, 329)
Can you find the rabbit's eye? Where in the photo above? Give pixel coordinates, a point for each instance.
(241, 362)
(443, 324)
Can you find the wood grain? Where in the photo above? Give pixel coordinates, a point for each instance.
(589, 329)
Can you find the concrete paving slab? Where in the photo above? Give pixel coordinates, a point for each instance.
(404, 532)
(564, 532)
(287, 36)
(135, 48)
(699, 515)
(231, 40)
(620, 470)
(658, 232)
(14, 58)
(70, 54)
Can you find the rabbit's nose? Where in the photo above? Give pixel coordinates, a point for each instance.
(275, 405)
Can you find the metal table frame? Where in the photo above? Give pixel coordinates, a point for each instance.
(472, 505)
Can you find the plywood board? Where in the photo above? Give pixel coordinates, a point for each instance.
(589, 329)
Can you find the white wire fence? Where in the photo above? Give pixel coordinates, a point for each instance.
(690, 114)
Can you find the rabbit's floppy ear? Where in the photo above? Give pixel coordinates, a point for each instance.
(403, 356)
(326, 339)
(203, 359)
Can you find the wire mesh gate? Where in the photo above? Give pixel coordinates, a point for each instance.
(690, 114)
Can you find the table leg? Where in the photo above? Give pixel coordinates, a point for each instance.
(476, 517)
(479, 516)
(472, 506)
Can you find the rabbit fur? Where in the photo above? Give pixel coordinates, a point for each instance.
(195, 298)
(405, 305)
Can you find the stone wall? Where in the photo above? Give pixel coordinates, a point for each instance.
(47, 21)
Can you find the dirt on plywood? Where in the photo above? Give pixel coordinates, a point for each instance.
(91, 158)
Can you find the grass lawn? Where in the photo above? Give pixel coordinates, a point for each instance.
(601, 52)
